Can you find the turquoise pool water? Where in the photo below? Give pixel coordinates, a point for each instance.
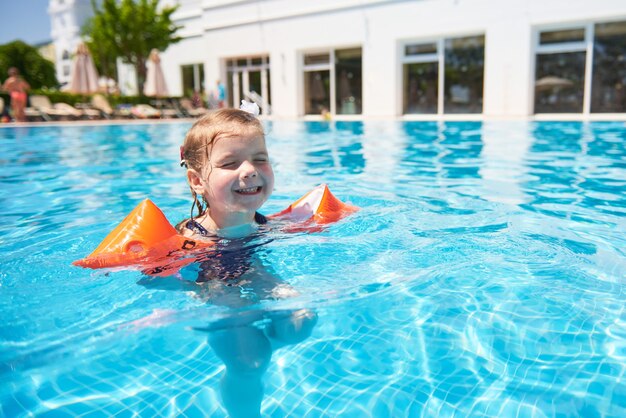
(483, 276)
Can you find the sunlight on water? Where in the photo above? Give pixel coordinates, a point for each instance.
(483, 276)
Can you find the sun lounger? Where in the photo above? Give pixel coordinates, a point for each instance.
(88, 112)
(33, 114)
(168, 108)
(58, 111)
(145, 111)
(191, 111)
(101, 103)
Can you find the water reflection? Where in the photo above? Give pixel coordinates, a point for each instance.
(334, 146)
(504, 154)
(442, 149)
(573, 176)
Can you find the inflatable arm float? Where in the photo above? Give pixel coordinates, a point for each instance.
(146, 240)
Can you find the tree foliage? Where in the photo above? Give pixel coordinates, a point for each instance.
(35, 69)
(129, 29)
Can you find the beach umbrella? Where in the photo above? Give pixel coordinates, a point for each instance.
(155, 81)
(551, 82)
(84, 77)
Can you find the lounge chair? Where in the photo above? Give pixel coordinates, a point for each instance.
(58, 111)
(190, 110)
(32, 114)
(101, 103)
(145, 111)
(167, 108)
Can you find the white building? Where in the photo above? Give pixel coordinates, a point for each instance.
(66, 18)
(420, 58)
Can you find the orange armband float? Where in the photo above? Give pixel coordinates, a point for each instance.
(147, 241)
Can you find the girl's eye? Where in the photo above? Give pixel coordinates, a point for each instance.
(228, 164)
(261, 160)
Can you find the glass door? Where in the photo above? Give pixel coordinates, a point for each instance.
(249, 80)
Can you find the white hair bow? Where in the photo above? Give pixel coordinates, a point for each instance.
(250, 107)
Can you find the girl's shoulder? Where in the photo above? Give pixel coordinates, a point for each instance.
(190, 228)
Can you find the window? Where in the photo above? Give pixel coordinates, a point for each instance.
(317, 83)
(249, 79)
(421, 78)
(581, 69)
(443, 76)
(560, 71)
(608, 88)
(333, 82)
(464, 69)
(193, 78)
(349, 73)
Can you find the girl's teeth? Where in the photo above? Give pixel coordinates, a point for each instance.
(248, 190)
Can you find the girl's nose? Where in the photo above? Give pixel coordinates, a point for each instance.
(248, 170)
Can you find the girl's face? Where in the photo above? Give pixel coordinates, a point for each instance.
(238, 179)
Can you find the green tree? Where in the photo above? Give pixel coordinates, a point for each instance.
(129, 29)
(35, 69)
(102, 47)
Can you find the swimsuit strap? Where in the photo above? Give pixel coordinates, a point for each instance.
(199, 229)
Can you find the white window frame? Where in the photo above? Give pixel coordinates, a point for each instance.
(586, 45)
(329, 66)
(438, 57)
(236, 69)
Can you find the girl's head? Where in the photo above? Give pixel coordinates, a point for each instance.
(228, 167)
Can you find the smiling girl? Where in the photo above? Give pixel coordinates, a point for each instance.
(230, 177)
(229, 174)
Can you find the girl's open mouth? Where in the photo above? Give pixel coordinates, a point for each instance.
(249, 190)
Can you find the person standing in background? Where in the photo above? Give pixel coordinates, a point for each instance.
(221, 95)
(17, 89)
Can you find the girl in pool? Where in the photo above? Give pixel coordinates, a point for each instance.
(230, 177)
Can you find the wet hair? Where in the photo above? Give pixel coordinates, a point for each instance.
(220, 124)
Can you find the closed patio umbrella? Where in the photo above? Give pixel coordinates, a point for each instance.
(84, 77)
(155, 81)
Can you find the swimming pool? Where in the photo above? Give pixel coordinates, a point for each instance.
(483, 276)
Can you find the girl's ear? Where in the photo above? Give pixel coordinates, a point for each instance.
(195, 181)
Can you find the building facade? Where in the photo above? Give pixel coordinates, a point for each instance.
(400, 58)
(66, 19)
